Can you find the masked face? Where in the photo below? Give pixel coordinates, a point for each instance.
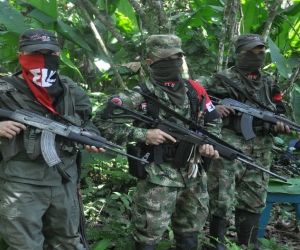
(251, 61)
(168, 69)
(41, 74)
(40, 69)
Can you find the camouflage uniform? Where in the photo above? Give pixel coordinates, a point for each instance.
(230, 182)
(227, 177)
(167, 195)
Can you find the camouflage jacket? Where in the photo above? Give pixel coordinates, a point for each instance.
(216, 87)
(122, 132)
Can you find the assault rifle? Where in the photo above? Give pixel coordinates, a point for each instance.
(225, 150)
(52, 128)
(247, 113)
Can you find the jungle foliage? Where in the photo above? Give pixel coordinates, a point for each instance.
(103, 49)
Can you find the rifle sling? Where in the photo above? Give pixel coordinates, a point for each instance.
(19, 86)
(186, 121)
(234, 85)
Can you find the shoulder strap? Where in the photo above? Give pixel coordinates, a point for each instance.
(19, 86)
(233, 84)
(193, 97)
(152, 110)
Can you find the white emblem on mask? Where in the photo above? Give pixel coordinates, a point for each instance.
(43, 79)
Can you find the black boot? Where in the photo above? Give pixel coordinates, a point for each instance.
(246, 225)
(186, 242)
(142, 246)
(217, 229)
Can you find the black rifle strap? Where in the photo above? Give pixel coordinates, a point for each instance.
(189, 122)
(19, 86)
(233, 84)
(82, 221)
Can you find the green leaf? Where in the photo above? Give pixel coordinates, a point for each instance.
(295, 100)
(291, 10)
(48, 7)
(42, 17)
(69, 63)
(11, 18)
(71, 34)
(254, 15)
(9, 42)
(102, 245)
(123, 23)
(279, 60)
(125, 7)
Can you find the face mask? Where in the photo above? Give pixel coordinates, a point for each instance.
(250, 63)
(40, 73)
(167, 69)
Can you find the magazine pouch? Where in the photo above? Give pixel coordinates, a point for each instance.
(136, 168)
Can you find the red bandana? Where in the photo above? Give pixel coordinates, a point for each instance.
(40, 73)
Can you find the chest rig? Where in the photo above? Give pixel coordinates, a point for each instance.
(179, 151)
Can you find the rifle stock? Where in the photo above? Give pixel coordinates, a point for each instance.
(51, 128)
(182, 133)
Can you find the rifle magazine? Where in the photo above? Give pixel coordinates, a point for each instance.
(48, 148)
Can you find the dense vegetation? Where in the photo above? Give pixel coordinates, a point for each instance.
(104, 51)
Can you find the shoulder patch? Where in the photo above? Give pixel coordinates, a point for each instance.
(117, 100)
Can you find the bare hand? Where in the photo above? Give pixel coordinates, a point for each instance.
(281, 129)
(93, 149)
(224, 110)
(156, 137)
(10, 129)
(208, 151)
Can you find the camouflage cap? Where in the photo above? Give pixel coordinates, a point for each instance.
(163, 46)
(248, 42)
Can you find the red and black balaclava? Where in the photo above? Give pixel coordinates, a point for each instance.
(41, 70)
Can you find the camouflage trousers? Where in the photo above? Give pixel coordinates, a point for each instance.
(155, 207)
(233, 182)
(31, 216)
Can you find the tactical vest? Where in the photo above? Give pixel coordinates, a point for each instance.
(27, 145)
(180, 151)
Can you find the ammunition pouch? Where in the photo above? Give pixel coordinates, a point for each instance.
(136, 168)
(177, 153)
(182, 154)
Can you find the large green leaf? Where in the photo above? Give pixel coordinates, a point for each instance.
(279, 60)
(71, 34)
(8, 46)
(254, 15)
(125, 7)
(69, 63)
(49, 7)
(11, 18)
(42, 17)
(295, 100)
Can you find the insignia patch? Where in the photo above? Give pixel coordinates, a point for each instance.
(170, 84)
(144, 106)
(117, 100)
(210, 107)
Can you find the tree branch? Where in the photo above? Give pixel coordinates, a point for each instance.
(272, 15)
(101, 43)
(115, 32)
(157, 7)
(140, 12)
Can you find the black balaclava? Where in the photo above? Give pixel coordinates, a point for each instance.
(167, 75)
(249, 65)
